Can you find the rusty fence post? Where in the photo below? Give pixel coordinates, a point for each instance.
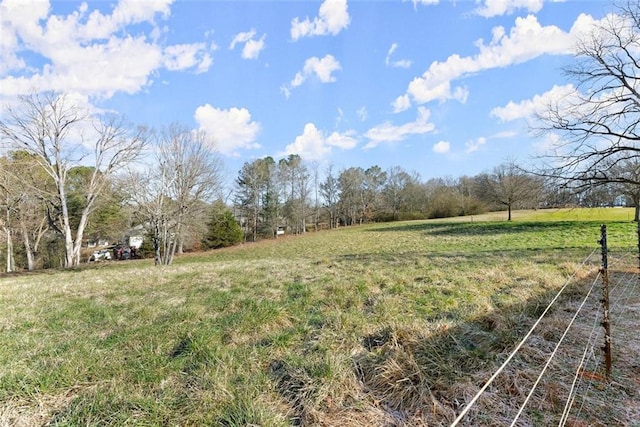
(606, 322)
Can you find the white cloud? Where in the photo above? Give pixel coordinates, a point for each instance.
(313, 144)
(323, 68)
(362, 114)
(526, 40)
(401, 103)
(185, 56)
(230, 129)
(475, 145)
(242, 38)
(491, 8)
(252, 47)
(87, 51)
(284, 89)
(340, 117)
(332, 18)
(345, 140)
(505, 134)
(423, 2)
(441, 147)
(390, 133)
(401, 63)
(529, 108)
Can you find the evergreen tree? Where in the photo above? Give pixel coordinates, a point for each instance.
(223, 230)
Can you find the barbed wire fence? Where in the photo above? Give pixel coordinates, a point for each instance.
(596, 371)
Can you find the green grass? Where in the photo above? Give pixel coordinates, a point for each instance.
(326, 328)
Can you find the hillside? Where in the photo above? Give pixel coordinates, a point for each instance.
(384, 324)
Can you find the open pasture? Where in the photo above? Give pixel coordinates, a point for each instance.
(383, 324)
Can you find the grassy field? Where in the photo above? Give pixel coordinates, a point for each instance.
(384, 324)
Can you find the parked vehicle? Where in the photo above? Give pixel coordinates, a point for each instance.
(100, 255)
(124, 252)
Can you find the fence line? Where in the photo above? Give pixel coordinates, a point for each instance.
(577, 377)
(623, 290)
(629, 283)
(627, 278)
(553, 353)
(520, 344)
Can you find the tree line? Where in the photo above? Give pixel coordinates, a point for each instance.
(70, 177)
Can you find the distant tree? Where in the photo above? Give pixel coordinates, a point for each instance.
(468, 201)
(394, 194)
(597, 195)
(442, 198)
(22, 182)
(257, 198)
(330, 192)
(351, 182)
(222, 228)
(630, 170)
(270, 203)
(555, 194)
(295, 179)
(371, 192)
(184, 173)
(106, 220)
(508, 185)
(61, 135)
(315, 168)
(416, 198)
(8, 201)
(193, 174)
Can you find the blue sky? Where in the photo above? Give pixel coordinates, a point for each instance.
(442, 88)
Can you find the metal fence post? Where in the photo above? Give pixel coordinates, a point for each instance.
(638, 245)
(606, 322)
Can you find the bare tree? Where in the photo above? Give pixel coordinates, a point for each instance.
(630, 169)
(61, 135)
(350, 184)
(295, 179)
(393, 193)
(25, 212)
(330, 191)
(8, 201)
(511, 187)
(599, 124)
(168, 195)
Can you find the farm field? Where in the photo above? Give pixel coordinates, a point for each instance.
(378, 325)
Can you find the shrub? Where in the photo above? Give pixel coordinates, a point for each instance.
(222, 229)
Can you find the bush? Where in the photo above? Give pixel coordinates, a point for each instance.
(222, 230)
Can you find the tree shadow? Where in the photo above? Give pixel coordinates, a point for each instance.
(490, 228)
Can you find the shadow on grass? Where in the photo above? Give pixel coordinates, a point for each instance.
(492, 228)
(421, 377)
(574, 253)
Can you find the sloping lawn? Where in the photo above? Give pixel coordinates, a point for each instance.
(371, 325)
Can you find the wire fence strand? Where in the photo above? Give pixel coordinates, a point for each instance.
(521, 343)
